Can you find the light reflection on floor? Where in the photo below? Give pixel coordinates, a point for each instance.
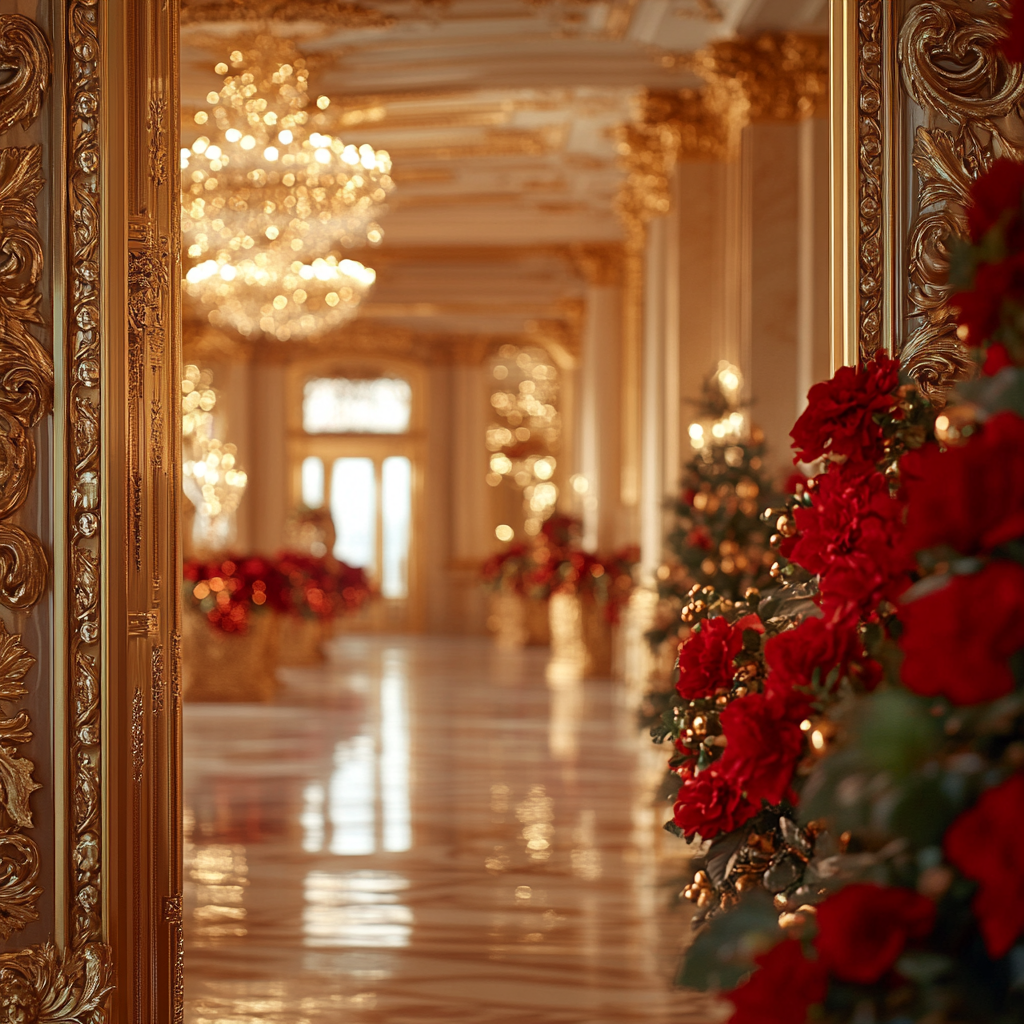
(426, 830)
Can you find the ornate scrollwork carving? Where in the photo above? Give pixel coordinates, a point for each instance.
(19, 855)
(26, 395)
(40, 986)
(25, 53)
(953, 68)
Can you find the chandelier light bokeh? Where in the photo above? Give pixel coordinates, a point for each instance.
(525, 396)
(210, 475)
(270, 199)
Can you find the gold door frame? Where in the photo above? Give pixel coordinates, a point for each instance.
(922, 101)
(89, 380)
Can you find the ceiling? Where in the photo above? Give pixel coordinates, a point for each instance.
(500, 118)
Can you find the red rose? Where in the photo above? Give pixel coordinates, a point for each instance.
(996, 193)
(981, 309)
(969, 498)
(987, 844)
(957, 640)
(705, 659)
(864, 928)
(852, 536)
(816, 645)
(839, 418)
(782, 989)
(764, 744)
(709, 803)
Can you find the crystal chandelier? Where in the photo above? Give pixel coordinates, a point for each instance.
(271, 198)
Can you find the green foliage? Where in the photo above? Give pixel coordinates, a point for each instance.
(724, 950)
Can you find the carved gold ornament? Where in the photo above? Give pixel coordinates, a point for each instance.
(953, 68)
(19, 855)
(25, 56)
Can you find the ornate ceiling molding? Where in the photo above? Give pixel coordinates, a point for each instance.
(336, 13)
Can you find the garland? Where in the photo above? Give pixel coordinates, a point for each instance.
(850, 744)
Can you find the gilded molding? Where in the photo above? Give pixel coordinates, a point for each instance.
(24, 51)
(77, 985)
(972, 96)
(337, 13)
(870, 206)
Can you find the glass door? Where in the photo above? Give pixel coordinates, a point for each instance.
(370, 498)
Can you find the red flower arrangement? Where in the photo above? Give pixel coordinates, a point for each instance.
(554, 564)
(899, 634)
(228, 591)
(987, 844)
(862, 931)
(851, 536)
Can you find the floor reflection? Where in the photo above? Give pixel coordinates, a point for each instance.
(426, 830)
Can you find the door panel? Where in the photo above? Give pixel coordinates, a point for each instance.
(89, 478)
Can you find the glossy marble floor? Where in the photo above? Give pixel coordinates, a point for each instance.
(427, 830)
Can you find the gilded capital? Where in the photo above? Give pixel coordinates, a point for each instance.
(648, 153)
(773, 77)
(597, 263)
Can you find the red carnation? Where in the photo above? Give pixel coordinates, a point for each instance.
(969, 498)
(987, 844)
(839, 418)
(709, 803)
(705, 659)
(852, 537)
(782, 989)
(864, 928)
(817, 645)
(958, 639)
(764, 744)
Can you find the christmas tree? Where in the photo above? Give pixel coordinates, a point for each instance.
(718, 538)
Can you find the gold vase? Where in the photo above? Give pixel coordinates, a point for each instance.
(581, 638)
(301, 640)
(538, 622)
(219, 666)
(507, 620)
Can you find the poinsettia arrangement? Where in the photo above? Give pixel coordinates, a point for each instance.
(554, 563)
(850, 743)
(226, 591)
